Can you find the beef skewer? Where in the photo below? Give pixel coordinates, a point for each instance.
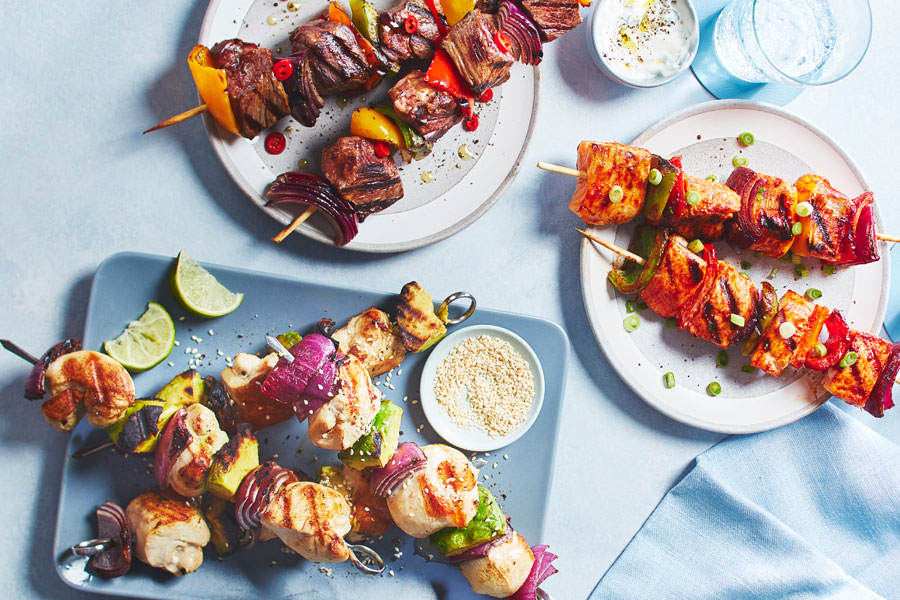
(715, 302)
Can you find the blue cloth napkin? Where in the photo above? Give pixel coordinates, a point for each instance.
(809, 510)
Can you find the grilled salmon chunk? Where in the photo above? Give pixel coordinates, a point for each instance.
(772, 207)
(774, 353)
(311, 519)
(854, 383)
(706, 219)
(607, 165)
(832, 214)
(731, 294)
(679, 273)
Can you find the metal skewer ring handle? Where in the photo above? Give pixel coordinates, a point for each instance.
(444, 309)
(92, 547)
(368, 553)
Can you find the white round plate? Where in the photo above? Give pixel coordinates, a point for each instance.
(786, 146)
(462, 190)
(475, 439)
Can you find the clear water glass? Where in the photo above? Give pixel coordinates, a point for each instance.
(793, 42)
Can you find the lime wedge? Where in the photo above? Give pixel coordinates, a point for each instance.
(198, 290)
(145, 342)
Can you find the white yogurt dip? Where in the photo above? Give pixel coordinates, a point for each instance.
(645, 42)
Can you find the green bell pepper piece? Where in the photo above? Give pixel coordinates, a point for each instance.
(649, 243)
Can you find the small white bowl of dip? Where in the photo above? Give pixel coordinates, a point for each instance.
(643, 43)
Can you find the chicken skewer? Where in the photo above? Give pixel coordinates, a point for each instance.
(860, 368)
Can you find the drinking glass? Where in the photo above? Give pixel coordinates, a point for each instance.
(792, 42)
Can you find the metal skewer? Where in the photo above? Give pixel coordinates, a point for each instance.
(278, 347)
(369, 553)
(18, 351)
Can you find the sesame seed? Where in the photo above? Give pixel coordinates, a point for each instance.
(177, 343)
(170, 363)
(210, 332)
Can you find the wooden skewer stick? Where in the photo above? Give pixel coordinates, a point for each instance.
(180, 117)
(610, 246)
(576, 173)
(294, 224)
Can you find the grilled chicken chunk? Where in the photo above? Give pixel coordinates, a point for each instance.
(773, 353)
(341, 421)
(400, 45)
(257, 99)
(502, 571)
(607, 165)
(87, 381)
(338, 61)
(168, 531)
(732, 293)
(706, 219)
(443, 494)
(430, 111)
(372, 339)
(369, 514)
(370, 182)
(188, 474)
(675, 280)
(470, 44)
(553, 17)
(243, 380)
(311, 519)
(854, 383)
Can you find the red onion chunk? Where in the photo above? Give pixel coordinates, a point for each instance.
(310, 189)
(287, 382)
(115, 560)
(863, 243)
(34, 385)
(407, 459)
(742, 231)
(175, 438)
(540, 571)
(880, 398)
(521, 33)
(324, 383)
(257, 490)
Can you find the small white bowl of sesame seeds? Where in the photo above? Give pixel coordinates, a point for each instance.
(482, 388)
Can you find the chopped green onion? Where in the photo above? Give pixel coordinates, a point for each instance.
(712, 177)
(669, 380)
(655, 177)
(743, 274)
(722, 359)
(748, 369)
(739, 161)
(631, 323)
(714, 388)
(796, 259)
(615, 194)
(849, 359)
(693, 198)
(670, 323)
(787, 257)
(737, 320)
(803, 209)
(787, 330)
(829, 269)
(801, 271)
(772, 273)
(820, 350)
(696, 246)
(797, 229)
(634, 306)
(710, 327)
(813, 293)
(745, 265)
(746, 138)
(758, 253)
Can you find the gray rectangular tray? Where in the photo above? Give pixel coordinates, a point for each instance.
(123, 285)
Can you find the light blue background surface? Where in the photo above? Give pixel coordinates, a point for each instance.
(82, 80)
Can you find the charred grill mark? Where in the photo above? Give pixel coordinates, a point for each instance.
(823, 230)
(711, 324)
(696, 271)
(725, 285)
(785, 233)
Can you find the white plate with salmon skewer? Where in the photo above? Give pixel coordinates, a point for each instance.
(644, 347)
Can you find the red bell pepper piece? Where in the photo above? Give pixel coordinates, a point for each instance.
(677, 203)
(836, 345)
(439, 19)
(442, 75)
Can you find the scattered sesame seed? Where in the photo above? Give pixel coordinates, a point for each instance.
(210, 332)
(506, 457)
(177, 343)
(170, 363)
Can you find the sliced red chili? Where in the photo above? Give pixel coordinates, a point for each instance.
(411, 24)
(382, 149)
(275, 143)
(487, 96)
(471, 123)
(500, 42)
(283, 69)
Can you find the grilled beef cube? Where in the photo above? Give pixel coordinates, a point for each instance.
(678, 275)
(706, 219)
(853, 384)
(338, 61)
(553, 17)
(400, 45)
(732, 293)
(488, 7)
(367, 181)
(608, 165)
(430, 111)
(470, 43)
(257, 99)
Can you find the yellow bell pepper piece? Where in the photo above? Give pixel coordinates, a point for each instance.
(213, 87)
(369, 123)
(455, 10)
